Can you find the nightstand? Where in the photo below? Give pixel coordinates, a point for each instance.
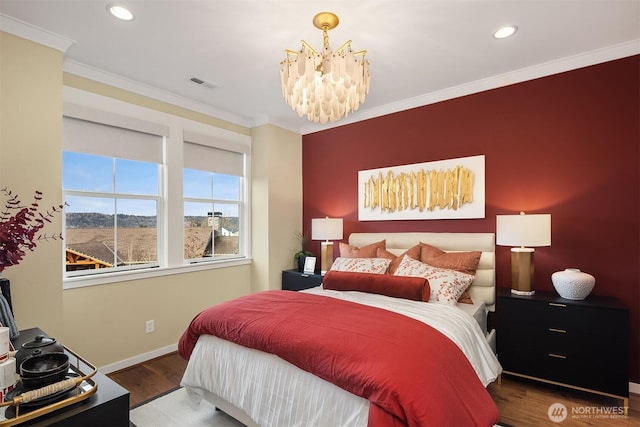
(578, 344)
(293, 280)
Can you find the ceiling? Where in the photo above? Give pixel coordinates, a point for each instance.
(420, 51)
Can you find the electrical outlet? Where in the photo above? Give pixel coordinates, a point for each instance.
(150, 326)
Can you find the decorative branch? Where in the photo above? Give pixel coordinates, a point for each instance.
(20, 227)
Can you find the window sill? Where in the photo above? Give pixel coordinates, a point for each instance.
(126, 276)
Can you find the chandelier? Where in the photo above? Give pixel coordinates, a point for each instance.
(328, 85)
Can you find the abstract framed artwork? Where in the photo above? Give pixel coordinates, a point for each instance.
(443, 189)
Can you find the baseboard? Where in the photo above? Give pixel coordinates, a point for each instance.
(634, 388)
(123, 364)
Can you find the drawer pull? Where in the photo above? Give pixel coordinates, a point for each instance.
(562, 331)
(557, 356)
(555, 304)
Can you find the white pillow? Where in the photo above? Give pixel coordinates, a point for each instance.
(361, 265)
(446, 285)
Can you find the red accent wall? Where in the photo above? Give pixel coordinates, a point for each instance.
(566, 144)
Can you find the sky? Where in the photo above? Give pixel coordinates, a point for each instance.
(85, 172)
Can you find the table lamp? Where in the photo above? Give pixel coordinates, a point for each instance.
(326, 229)
(523, 232)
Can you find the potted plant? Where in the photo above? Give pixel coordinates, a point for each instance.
(300, 256)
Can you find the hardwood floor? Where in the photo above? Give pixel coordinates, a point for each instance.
(521, 402)
(149, 379)
(526, 403)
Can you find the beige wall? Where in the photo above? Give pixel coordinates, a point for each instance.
(105, 323)
(31, 159)
(277, 203)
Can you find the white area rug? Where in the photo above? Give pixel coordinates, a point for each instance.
(176, 409)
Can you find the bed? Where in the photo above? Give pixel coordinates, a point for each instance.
(238, 373)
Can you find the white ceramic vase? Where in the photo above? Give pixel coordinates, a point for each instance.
(573, 283)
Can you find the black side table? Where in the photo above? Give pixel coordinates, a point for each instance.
(293, 280)
(107, 407)
(578, 344)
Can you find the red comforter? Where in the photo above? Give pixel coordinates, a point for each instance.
(411, 373)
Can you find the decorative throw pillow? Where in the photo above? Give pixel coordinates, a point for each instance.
(413, 252)
(465, 298)
(361, 265)
(368, 251)
(446, 285)
(466, 262)
(411, 288)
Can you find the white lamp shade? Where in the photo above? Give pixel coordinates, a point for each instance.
(326, 229)
(523, 230)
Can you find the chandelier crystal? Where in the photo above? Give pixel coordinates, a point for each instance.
(325, 86)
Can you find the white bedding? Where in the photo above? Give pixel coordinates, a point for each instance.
(479, 312)
(273, 392)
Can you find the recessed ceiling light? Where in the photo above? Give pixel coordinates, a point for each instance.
(120, 12)
(506, 31)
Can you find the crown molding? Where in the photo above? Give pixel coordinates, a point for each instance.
(136, 87)
(35, 34)
(47, 38)
(586, 59)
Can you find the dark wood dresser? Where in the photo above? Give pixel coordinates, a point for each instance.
(578, 344)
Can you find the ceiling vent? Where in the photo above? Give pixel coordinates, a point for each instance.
(202, 82)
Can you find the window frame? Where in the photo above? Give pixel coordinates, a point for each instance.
(171, 205)
(121, 196)
(240, 240)
(232, 161)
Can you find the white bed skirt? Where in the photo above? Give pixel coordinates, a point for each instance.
(276, 392)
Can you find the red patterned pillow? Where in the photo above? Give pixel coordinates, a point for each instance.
(466, 262)
(413, 252)
(361, 265)
(446, 285)
(411, 288)
(369, 251)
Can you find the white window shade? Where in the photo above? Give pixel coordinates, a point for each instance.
(105, 140)
(213, 155)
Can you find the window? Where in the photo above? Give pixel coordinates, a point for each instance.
(211, 228)
(111, 179)
(143, 203)
(213, 199)
(108, 223)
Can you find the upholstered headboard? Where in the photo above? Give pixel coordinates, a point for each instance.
(483, 287)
